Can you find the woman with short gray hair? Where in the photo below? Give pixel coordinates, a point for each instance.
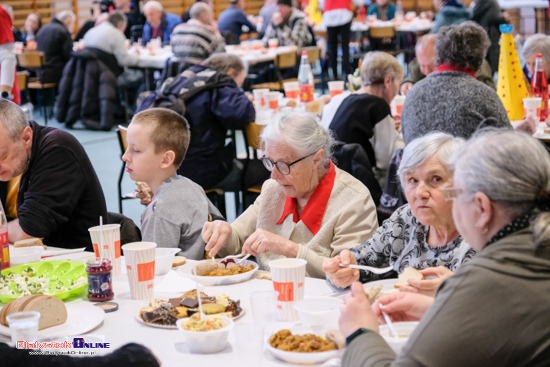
(499, 301)
(536, 44)
(421, 233)
(309, 209)
(450, 99)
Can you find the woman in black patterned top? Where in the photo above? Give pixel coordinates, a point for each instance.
(422, 233)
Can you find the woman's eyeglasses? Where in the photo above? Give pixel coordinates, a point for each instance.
(451, 193)
(282, 167)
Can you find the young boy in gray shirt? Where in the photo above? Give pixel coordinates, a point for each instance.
(158, 139)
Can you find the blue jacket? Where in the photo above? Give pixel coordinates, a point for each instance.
(453, 12)
(373, 9)
(167, 24)
(232, 19)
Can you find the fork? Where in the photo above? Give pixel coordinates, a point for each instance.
(242, 260)
(368, 268)
(232, 257)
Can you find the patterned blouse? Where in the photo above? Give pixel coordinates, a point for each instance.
(401, 242)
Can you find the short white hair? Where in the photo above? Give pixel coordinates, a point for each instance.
(537, 44)
(376, 65)
(66, 16)
(12, 118)
(301, 132)
(418, 151)
(154, 5)
(198, 8)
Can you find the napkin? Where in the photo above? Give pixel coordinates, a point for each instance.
(173, 283)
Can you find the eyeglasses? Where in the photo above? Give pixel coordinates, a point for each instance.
(282, 167)
(451, 193)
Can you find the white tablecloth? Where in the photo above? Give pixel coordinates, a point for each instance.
(120, 327)
(416, 25)
(155, 60)
(512, 4)
(257, 56)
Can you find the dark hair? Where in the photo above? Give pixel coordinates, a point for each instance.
(116, 17)
(171, 131)
(463, 45)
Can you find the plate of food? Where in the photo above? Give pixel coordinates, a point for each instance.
(164, 313)
(218, 272)
(306, 344)
(58, 278)
(57, 318)
(379, 288)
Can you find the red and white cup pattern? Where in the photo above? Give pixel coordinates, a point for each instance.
(140, 265)
(110, 246)
(288, 279)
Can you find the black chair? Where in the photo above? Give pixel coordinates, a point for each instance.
(121, 135)
(129, 232)
(136, 32)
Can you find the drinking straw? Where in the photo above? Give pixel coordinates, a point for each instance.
(198, 291)
(100, 234)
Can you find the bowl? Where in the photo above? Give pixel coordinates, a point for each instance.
(164, 258)
(405, 329)
(206, 342)
(186, 269)
(23, 255)
(319, 311)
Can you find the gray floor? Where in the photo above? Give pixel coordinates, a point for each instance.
(104, 152)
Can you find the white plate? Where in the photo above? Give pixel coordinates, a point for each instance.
(387, 285)
(81, 318)
(56, 251)
(185, 270)
(306, 358)
(174, 327)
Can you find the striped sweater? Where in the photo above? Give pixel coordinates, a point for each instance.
(194, 41)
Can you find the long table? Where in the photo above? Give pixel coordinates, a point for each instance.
(414, 26)
(120, 327)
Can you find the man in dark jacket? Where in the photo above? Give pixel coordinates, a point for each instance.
(56, 42)
(59, 193)
(233, 18)
(487, 14)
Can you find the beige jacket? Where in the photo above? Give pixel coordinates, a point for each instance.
(350, 218)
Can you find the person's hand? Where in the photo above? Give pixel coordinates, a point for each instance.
(215, 234)
(401, 306)
(341, 277)
(277, 18)
(262, 241)
(404, 89)
(356, 312)
(528, 125)
(427, 287)
(140, 194)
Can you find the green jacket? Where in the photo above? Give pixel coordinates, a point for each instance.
(484, 74)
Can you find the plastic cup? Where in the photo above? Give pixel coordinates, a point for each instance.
(288, 279)
(110, 246)
(532, 107)
(250, 343)
(272, 100)
(273, 42)
(264, 306)
(335, 88)
(292, 90)
(371, 18)
(18, 47)
(23, 326)
(259, 100)
(140, 264)
(257, 45)
(397, 104)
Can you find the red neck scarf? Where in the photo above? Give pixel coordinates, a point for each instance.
(447, 67)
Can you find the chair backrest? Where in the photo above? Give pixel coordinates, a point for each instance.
(22, 80)
(31, 59)
(121, 132)
(253, 132)
(382, 32)
(313, 53)
(286, 60)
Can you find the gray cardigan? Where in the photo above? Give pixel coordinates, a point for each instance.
(452, 102)
(492, 312)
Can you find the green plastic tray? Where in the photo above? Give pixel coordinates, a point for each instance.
(65, 271)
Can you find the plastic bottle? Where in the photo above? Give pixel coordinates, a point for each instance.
(305, 79)
(31, 42)
(399, 14)
(539, 86)
(4, 242)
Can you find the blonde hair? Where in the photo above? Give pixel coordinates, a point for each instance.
(376, 65)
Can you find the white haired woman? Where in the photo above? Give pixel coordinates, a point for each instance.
(364, 117)
(536, 44)
(494, 310)
(420, 234)
(309, 209)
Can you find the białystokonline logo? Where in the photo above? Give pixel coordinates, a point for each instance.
(77, 343)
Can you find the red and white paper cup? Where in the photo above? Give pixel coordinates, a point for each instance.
(336, 87)
(110, 246)
(288, 279)
(140, 265)
(532, 106)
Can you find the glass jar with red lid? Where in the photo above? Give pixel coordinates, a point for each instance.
(100, 287)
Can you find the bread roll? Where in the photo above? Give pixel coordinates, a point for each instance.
(52, 311)
(206, 268)
(408, 273)
(30, 242)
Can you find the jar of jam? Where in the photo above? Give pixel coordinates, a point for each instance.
(100, 287)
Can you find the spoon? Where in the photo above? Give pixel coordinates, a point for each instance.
(368, 268)
(390, 325)
(201, 313)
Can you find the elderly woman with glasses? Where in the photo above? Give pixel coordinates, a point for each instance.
(422, 233)
(309, 209)
(494, 310)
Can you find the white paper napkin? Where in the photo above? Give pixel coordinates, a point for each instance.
(173, 283)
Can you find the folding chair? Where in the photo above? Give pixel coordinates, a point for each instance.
(121, 134)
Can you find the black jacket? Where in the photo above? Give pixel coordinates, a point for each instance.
(59, 195)
(487, 14)
(87, 92)
(56, 42)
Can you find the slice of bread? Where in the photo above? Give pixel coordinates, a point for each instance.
(30, 242)
(178, 261)
(52, 311)
(408, 273)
